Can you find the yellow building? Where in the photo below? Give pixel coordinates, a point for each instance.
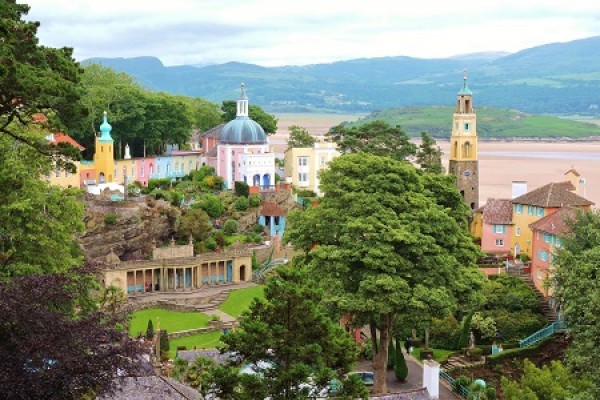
(302, 164)
(537, 204)
(104, 160)
(464, 162)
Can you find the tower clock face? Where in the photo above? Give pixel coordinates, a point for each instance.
(467, 173)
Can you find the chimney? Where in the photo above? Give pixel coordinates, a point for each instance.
(518, 188)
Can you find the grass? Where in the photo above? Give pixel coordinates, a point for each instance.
(439, 355)
(210, 340)
(239, 300)
(172, 321)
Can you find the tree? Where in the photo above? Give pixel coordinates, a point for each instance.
(203, 114)
(211, 204)
(576, 282)
(52, 349)
(241, 189)
(230, 227)
(549, 382)
(194, 222)
(379, 233)
(290, 336)
(163, 344)
(375, 137)
(166, 122)
(429, 155)
(300, 137)
(267, 121)
(400, 367)
(35, 79)
(391, 354)
(30, 209)
(150, 330)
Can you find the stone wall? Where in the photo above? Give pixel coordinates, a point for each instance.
(173, 251)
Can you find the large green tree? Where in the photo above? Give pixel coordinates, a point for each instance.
(300, 137)
(377, 235)
(577, 281)
(377, 137)
(291, 337)
(267, 121)
(34, 79)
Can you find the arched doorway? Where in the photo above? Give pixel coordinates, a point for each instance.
(101, 179)
(266, 180)
(242, 273)
(256, 180)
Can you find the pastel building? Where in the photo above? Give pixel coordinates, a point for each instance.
(60, 177)
(242, 151)
(302, 164)
(537, 204)
(546, 234)
(497, 226)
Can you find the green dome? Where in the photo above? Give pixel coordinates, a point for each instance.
(105, 128)
(242, 130)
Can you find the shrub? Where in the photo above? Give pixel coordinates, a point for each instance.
(230, 227)
(241, 204)
(253, 238)
(254, 200)
(367, 350)
(424, 354)
(241, 189)
(474, 354)
(150, 330)
(490, 393)
(517, 325)
(445, 333)
(164, 344)
(176, 198)
(180, 348)
(277, 178)
(463, 381)
(400, 367)
(161, 194)
(212, 205)
(220, 239)
(258, 228)
(210, 243)
(463, 339)
(391, 354)
(162, 183)
(110, 218)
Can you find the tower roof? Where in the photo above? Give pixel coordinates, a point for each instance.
(105, 128)
(242, 130)
(465, 91)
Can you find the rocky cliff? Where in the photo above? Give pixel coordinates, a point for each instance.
(138, 223)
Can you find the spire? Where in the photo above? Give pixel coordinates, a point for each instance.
(242, 103)
(465, 91)
(105, 128)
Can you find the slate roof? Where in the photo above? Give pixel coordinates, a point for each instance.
(215, 355)
(555, 223)
(555, 194)
(416, 394)
(151, 388)
(498, 211)
(271, 209)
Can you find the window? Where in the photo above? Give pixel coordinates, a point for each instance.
(303, 177)
(142, 172)
(499, 242)
(57, 171)
(530, 210)
(499, 228)
(467, 127)
(542, 255)
(322, 160)
(456, 126)
(539, 212)
(518, 231)
(519, 208)
(547, 238)
(302, 161)
(557, 242)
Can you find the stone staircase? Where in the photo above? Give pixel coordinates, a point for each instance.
(547, 310)
(205, 305)
(460, 362)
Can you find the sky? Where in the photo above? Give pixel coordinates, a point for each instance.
(284, 32)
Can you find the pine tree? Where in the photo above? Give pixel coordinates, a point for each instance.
(391, 353)
(400, 367)
(164, 344)
(429, 155)
(150, 330)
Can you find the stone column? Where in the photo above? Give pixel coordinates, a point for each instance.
(134, 281)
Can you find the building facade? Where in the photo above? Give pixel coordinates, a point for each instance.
(302, 164)
(497, 226)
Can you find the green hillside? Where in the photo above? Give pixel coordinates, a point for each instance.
(491, 123)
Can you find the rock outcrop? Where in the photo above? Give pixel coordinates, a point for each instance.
(139, 223)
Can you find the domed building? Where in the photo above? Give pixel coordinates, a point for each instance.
(242, 152)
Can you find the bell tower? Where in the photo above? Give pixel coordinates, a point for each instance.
(464, 164)
(104, 158)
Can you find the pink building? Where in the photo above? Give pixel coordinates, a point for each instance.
(145, 167)
(497, 226)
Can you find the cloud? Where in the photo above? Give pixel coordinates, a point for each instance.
(269, 32)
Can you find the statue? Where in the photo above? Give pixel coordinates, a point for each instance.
(472, 341)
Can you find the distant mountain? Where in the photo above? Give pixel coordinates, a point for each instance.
(560, 78)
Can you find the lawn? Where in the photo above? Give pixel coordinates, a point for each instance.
(239, 300)
(172, 321)
(439, 355)
(210, 340)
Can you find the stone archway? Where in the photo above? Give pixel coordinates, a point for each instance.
(242, 273)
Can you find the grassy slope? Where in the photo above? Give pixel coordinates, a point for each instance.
(210, 340)
(239, 301)
(491, 123)
(172, 321)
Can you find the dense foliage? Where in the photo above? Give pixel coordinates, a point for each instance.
(267, 121)
(578, 288)
(294, 348)
(384, 244)
(300, 137)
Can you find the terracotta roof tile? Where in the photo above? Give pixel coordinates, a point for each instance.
(271, 209)
(213, 132)
(573, 171)
(555, 194)
(61, 137)
(498, 211)
(555, 223)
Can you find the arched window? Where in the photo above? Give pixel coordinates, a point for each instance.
(467, 150)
